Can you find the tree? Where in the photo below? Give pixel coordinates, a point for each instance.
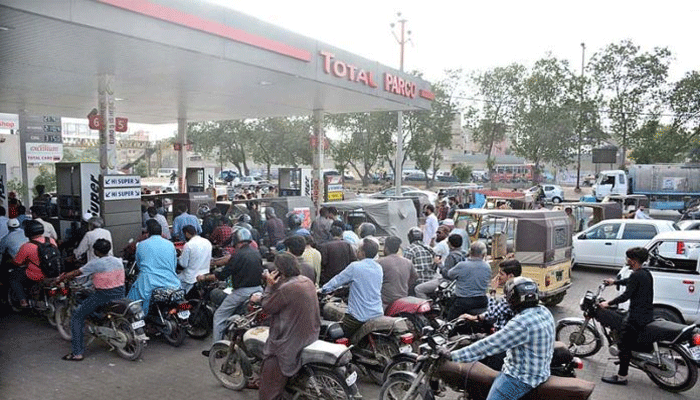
(230, 137)
(499, 89)
(544, 123)
(462, 172)
(141, 169)
(632, 84)
(685, 103)
(283, 141)
(658, 143)
(47, 178)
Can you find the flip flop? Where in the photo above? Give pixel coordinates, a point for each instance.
(71, 357)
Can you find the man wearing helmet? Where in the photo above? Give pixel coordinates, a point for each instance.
(294, 221)
(95, 224)
(28, 258)
(421, 256)
(245, 269)
(527, 339)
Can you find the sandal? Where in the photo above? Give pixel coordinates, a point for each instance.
(72, 357)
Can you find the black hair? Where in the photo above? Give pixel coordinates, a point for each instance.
(153, 227)
(511, 267)
(370, 248)
(455, 240)
(22, 210)
(151, 211)
(336, 231)
(295, 244)
(182, 207)
(189, 229)
(639, 254)
(430, 207)
(391, 245)
(2, 211)
(287, 265)
(102, 246)
(332, 210)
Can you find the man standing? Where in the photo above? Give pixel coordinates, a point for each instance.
(184, 219)
(291, 303)
(273, 229)
(640, 214)
(398, 272)
(321, 227)
(365, 298)
(153, 214)
(572, 220)
(95, 232)
(422, 256)
(37, 214)
(431, 225)
(527, 339)
(640, 292)
(195, 258)
(245, 269)
(335, 255)
(472, 276)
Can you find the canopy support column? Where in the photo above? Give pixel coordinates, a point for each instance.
(320, 139)
(182, 155)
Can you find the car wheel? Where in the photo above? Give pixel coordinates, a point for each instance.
(667, 315)
(556, 200)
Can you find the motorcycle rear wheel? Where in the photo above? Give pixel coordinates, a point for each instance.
(63, 316)
(686, 372)
(201, 320)
(177, 335)
(326, 385)
(218, 355)
(396, 388)
(134, 347)
(581, 344)
(385, 349)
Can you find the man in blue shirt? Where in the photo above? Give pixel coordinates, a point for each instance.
(365, 277)
(13, 240)
(182, 220)
(473, 276)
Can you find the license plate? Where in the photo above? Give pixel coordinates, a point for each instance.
(695, 352)
(184, 314)
(405, 349)
(138, 324)
(350, 380)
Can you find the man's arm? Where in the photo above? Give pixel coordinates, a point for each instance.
(274, 300)
(82, 247)
(512, 335)
(632, 284)
(184, 259)
(341, 279)
(454, 271)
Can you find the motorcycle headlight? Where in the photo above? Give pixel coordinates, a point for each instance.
(135, 309)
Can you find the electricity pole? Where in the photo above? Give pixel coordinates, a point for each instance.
(580, 121)
(398, 169)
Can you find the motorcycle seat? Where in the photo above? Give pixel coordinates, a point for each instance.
(664, 331)
(561, 354)
(380, 324)
(116, 306)
(322, 352)
(331, 330)
(408, 304)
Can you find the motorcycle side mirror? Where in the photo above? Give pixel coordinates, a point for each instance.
(444, 285)
(427, 331)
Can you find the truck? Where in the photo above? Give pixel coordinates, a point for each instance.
(668, 186)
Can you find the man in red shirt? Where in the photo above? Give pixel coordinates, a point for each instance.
(28, 260)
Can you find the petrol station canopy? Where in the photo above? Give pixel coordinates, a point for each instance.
(174, 59)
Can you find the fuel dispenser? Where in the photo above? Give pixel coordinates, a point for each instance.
(201, 190)
(295, 182)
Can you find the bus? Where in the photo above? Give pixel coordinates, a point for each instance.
(513, 172)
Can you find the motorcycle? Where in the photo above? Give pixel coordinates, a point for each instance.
(669, 353)
(169, 314)
(432, 375)
(204, 298)
(325, 373)
(42, 297)
(119, 323)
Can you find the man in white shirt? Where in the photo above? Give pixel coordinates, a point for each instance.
(96, 231)
(639, 214)
(153, 214)
(431, 225)
(195, 257)
(37, 214)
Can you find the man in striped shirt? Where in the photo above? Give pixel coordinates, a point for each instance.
(527, 339)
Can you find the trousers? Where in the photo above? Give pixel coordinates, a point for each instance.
(228, 308)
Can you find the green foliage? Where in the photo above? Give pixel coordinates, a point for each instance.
(230, 137)
(89, 154)
(47, 178)
(17, 186)
(283, 141)
(141, 169)
(657, 143)
(685, 103)
(462, 172)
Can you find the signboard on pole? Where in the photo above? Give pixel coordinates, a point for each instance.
(42, 138)
(121, 187)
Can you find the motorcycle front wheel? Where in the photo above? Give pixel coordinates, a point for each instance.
(403, 362)
(225, 370)
(63, 316)
(686, 372)
(201, 320)
(396, 388)
(582, 342)
(176, 336)
(133, 348)
(324, 384)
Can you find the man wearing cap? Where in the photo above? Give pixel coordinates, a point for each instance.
(39, 212)
(11, 243)
(95, 224)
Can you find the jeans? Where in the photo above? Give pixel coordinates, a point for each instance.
(350, 325)
(228, 307)
(505, 387)
(186, 286)
(429, 287)
(468, 305)
(18, 281)
(87, 307)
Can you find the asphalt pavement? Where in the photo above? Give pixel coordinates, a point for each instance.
(31, 367)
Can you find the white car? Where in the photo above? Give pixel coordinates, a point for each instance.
(689, 225)
(605, 243)
(675, 266)
(553, 193)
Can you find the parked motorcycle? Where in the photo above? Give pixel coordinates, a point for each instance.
(168, 315)
(119, 323)
(432, 375)
(669, 353)
(325, 373)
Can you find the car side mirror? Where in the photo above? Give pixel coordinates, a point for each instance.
(582, 236)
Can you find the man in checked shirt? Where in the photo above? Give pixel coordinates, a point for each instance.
(528, 339)
(499, 312)
(422, 256)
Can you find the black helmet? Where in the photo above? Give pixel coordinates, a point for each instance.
(294, 221)
(33, 228)
(415, 234)
(521, 293)
(203, 211)
(244, 218)
(367, 229)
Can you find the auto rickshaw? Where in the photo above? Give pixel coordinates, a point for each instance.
(587, 214)
(539, 239)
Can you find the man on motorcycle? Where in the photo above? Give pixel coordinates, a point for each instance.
(183, 219)
(473, 276)
(499, 312)
(365, 298)
(245, 269)
(108, 279)
(195, 257)
(157, 260)
(153, 214)
(640, 292)
(398, 272)
(273, 229)
(96, 231)
(455, 256)
(295, 246)
(28, 259)
(528, 339)
(11, 243)
(291, 304)
(421, 256)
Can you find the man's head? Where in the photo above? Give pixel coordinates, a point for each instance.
(442, 232)
(367, 229)
(40, 189)
(455, 241)
(429, 209)
(270, 213)
(287, 265)
(636, 256)
(12, 224)
(101, 247)
(189, 231)
(336, 231)
(332, 213)
(568, 211)
(477, 250)
(368, 249)
(33, 229)
(22, 210)
(392, 245)
(151, 212)
(414, 235)
(323, 212)
(242, 237)
(509, 269)
(521, 293)
(95, 222)
(181, 208)
(153, 228)
(452, 200)
(215, 212)
(295, 245)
